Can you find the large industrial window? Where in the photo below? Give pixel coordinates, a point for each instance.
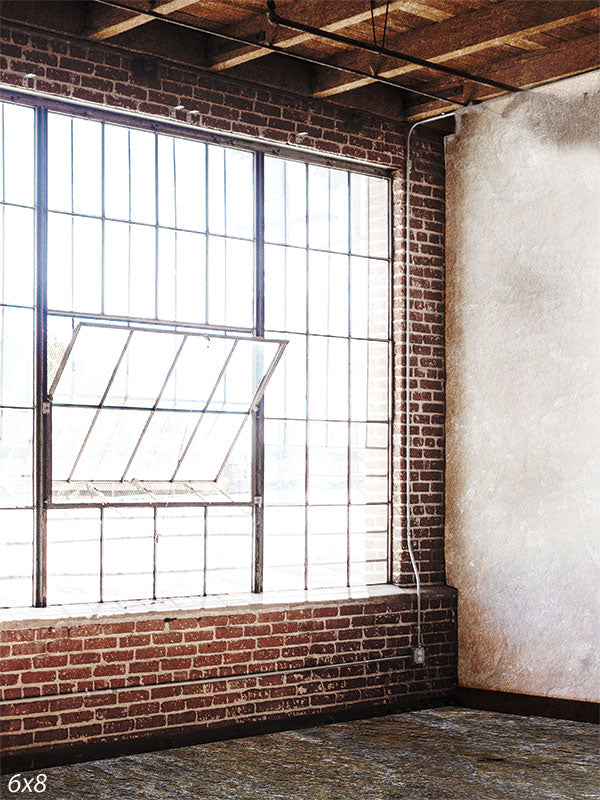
(194, 372)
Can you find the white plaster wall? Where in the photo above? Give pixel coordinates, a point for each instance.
(523, 407)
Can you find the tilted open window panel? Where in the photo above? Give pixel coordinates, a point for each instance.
(141, 415)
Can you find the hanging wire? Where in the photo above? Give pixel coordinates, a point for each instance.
(385, 21)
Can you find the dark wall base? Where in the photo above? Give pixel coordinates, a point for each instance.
(527, 705)
(77, 753)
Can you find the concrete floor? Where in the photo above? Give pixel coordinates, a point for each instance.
(441, 754)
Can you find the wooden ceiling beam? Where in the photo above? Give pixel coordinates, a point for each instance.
(533, 69)
(330, 17)
(495, 24)
(107, 22)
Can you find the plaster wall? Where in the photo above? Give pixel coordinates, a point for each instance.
(523, 390)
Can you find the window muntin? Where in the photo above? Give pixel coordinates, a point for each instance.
(145, 225)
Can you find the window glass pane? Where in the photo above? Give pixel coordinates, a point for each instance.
(16, 557)
(338, 220)
(327, 377)
(196, 372)
(73, 556)
(327, 546)
(239, 187)
(16, 437)
(285, 288)
(179, 552)
(229, 550)
(161, 446)
(209, 446)
(244, 373)
(110, 445)
(69, 428)
(327, 463)
(295, 203)
(87, 265)
(369, 380)
(143, 178)
(166, 181)
(60, 261)
(378, 218)
(368, 463)
(285, 444)
(284, 548)
(359, 213)
(275, 206)
(369, 313)
(190, 277)
(128, 553)
(16, 255)
(286, 393)
(368, 544)
(16, 357)
(190, 182)
(91, 362)
(216, 189)
(142, 272)
(230, 282)
(318, 207)
(87, 167)
(116, 172)
(328, 294)
(18, 154)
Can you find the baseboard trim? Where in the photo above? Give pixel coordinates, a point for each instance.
(167, 739)
(527, 704)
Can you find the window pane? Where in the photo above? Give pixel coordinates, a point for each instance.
(60, 262)
(73, 556)
(87, 265)
(116, 172)
(69, 428)
(369, 312)
(327, 546)
(190, 181)
(16, 357)
(284, 547)
(18, 154)
(110, 445)
(285, 289)
(275, 200)
(328, 377)
(87, 167)
(128, 553)
(286, 394)
(179, 552)
(116, 268)
(230, 282)
(16, 437)
(209, 447)
(196, 372)
(249, 363)
(60, 167)
(369, 463)
(338, 220)
(328, 294)
(188, 281)
(285, 444)
(161, 446)
(229, 550)
(166, 181)
(142, 272)
(143, 178)
(368, 544)
(16, 557)
(16, 255)
(318, 207)
(239, 187)
(369, 380)
(327, 463)
(216, 189)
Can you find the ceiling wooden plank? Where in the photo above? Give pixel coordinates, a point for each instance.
(461, 35)
(330, 17)
(107, 22)
(527, 71)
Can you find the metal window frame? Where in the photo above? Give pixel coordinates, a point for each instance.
(43, 104)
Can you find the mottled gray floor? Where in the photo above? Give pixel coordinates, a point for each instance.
(441, 754)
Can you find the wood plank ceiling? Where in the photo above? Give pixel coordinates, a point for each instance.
(520, 43)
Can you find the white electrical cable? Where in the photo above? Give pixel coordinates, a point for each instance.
(409, 542)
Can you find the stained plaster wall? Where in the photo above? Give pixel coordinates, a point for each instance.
(523, 390)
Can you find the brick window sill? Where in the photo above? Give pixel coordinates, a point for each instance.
(192, 606)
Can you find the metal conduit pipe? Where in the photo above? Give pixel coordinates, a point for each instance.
(407, 276)
(381, 51)
(281, 50)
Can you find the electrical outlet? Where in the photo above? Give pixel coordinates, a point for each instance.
(419, 655)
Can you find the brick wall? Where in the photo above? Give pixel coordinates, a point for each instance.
(43, 658)
(93, 682)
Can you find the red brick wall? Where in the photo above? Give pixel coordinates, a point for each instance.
(104, 75)
(90, 682)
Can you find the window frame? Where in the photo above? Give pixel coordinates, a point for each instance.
(42, 489)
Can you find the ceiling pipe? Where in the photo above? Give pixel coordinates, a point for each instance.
(275, 19)
(280, 50)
